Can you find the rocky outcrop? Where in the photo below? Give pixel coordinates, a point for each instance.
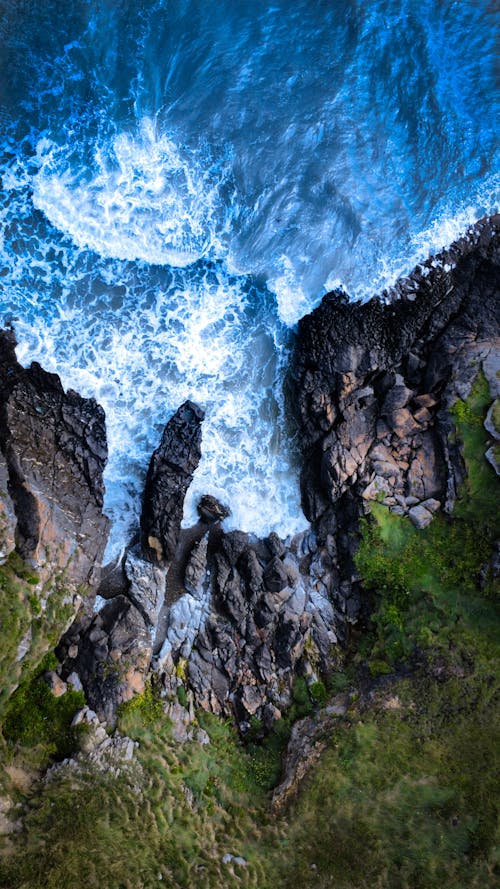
(223, 620)
(111, 652)
(372, 385)
(53, 453)
(169, 476)
(308, 739)
(254, 616)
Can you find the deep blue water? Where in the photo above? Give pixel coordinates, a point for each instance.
(181, 181)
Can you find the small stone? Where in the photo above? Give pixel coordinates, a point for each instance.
(55, 683)
(211, 510)
(420, 516)
(431, 505)
(237, 859)
(73, 651)
(74, 681)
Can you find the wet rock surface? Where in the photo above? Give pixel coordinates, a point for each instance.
(169, 475)
(52, 455)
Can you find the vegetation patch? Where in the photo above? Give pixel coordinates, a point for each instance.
(34, 717)
(404, 796)
(25, 623)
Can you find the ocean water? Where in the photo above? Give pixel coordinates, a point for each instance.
(182, 181)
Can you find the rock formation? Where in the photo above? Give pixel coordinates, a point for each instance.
(52, 456)
(110, 652)
(169, 475)
(371, 387)
(223, 620)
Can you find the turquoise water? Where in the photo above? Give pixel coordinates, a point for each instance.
(182, 181)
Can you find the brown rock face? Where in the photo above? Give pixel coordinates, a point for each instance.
(371, 387)
(53, 448)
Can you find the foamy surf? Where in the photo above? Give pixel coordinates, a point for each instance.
(146, 199)
(182, 182)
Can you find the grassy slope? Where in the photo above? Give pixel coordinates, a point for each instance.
(404, 795)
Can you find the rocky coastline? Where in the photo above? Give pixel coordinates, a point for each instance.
(224, 621)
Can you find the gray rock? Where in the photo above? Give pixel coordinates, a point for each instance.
(489, 425)
(146, 585)
(8, 519)
(420, 516)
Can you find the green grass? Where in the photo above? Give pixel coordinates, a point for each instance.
(34, 718)
(404, 796)
(175, 813)
(21, 613)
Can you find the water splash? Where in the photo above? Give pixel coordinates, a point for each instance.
(146, 199)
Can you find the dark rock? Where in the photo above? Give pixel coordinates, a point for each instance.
(371, 386)
(275, 546)
(53, 445)
(114, 650)
(275, 576)
(169, 475)
(211, 510)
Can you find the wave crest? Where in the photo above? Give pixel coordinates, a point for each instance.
(147, 199)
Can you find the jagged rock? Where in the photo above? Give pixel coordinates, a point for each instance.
(114, 654)
(146, 585)
(169, 475)
(371, 386)
(187, 613)
(54, 447)
(211, 510)
(275, 576)
(111, 652)
(8, 519)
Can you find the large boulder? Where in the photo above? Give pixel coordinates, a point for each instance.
(169, 476)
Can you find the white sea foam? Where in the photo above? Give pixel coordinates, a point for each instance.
(291, 299)
(446, 227)
(141, 337)
(146, 200)
(198, 339)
